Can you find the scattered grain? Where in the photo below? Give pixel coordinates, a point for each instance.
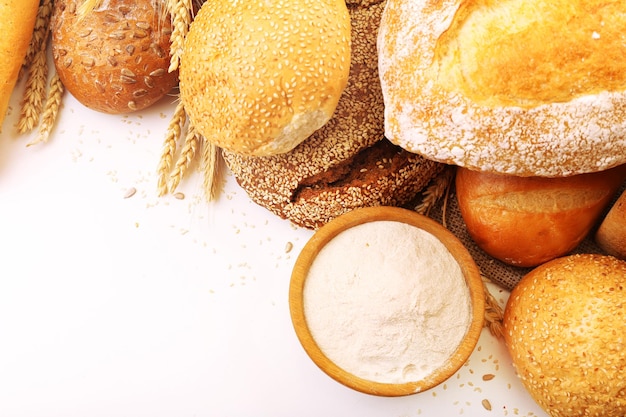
(130, 192)
(486, 404)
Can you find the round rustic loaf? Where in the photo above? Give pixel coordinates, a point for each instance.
(529, 88)
(114, 58)
(564, 328)
(347, 163)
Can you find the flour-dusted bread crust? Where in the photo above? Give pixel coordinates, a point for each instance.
(347, 163)
(529, 88)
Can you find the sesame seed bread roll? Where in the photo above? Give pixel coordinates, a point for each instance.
(564, 329)
(17, 21)
(528, 87)
(259, 77)
(347, 163)
(611, 234)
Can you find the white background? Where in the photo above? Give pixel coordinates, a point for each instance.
(155, 306)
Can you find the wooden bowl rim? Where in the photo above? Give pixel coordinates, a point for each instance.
(386, 213)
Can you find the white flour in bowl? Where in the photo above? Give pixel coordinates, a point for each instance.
(387, 302)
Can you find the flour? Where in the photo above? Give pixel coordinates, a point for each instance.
(387, 302)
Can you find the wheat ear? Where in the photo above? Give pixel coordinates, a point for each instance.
(181, 12)
(86, 7)
(35, 90)
(187, 155)
(40, 32)
(211, 164)
(435, 191)
(493, 313)
(169, 147)
(50, 110)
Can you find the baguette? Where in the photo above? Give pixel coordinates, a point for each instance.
(17, 21)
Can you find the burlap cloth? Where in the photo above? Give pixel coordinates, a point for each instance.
(446, 211)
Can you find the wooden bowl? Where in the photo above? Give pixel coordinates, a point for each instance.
(459, 252)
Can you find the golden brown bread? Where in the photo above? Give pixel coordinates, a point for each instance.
(530, 88)
(564, 329)
(347, 163)
(17, 21)
(115, 58)
(611, 234)
(525, 221)
(259, 78)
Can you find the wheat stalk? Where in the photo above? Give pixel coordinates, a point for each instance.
(433, 193)
(187, 155)
(37, 63)
(211, 165)
(34, 94)
(86, 7)
(181, 12)
(169, 148)
(493, 313)
(40, 32)
(50, 111)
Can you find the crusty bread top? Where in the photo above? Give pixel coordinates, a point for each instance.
(259, 77)
(516, 87)
(564, 328)
(17, 21)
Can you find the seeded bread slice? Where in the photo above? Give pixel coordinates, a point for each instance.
(346, 164)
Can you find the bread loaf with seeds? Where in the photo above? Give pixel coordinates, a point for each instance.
(346, 164)
(258, 77)
(564, 328)
(114, 58)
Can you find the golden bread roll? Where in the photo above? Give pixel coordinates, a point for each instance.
(347, 163)
(611, 234)
(564, 329)
(530, 87)
(115, 58)
(525, 221)
(17, 21)
(260, 77)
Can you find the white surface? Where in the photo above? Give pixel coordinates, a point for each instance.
(151, 306)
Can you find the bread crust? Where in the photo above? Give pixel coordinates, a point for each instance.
(17, 21)
(476, 84)
(611, 234)
(526, 221)
(564, 329)
(259, 77)
(115, 59)
(347, 163)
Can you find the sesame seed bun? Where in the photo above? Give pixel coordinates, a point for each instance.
(346, 164)
(536, 88)
(564, 328)
(259, 77)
